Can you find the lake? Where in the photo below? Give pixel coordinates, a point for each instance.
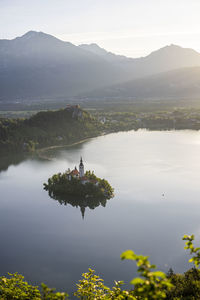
(156, 177)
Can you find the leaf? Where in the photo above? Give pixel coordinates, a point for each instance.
(185, 237)
(159, 274)
(137, 280)
(129, 254)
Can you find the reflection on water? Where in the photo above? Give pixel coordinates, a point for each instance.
(83, 203)
(156, 180)
(50, 154)
(12, 159)
(53, 153)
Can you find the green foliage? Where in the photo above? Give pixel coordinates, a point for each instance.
(151, 285)
(59, 187)
(193, 251)
(51, 294)
(154, 284)
(15, 288)
(185, 286)
(61, 127)
(92, 287)
(151, 116)
(70, 125)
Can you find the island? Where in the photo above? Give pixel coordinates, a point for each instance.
(79, 188)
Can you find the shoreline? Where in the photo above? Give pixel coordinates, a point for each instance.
(39, 152)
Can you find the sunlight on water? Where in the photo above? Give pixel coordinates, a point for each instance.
(156, 180)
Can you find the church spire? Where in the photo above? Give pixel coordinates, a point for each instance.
(81, 168)
(81, 161)
(82, 211)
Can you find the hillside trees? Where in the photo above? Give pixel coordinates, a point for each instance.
(61, 127)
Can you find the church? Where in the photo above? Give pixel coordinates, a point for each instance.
(78, 174)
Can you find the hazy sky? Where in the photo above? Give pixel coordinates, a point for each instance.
(130, 27)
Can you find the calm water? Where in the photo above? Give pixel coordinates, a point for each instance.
(156, 177)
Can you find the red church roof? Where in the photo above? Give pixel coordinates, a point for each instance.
(74, 172)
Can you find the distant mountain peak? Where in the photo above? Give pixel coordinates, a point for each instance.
(172, 48)
(94, 48)
(36, 35)
(93, 45)
(97, 50)
(32, 34)
(41, 65)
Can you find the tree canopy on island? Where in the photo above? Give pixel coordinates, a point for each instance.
(60, 187)
(94, 192)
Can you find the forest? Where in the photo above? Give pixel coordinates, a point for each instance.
(73, 124)
(61, 127)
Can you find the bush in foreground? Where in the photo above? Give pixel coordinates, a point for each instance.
(151, 285)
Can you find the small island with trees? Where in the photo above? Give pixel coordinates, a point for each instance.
(79, 188)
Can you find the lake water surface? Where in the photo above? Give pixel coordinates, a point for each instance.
(156, 176)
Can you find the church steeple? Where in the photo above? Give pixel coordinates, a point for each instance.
(81, 168)
(82, 211)
(81, 161)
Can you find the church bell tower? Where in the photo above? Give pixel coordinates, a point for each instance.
(81, 168)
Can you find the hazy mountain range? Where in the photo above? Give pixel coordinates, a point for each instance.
(38, 65)
(182, 83)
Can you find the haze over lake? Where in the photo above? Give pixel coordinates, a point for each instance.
(156, 181)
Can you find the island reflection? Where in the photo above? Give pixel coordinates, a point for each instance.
(79, 188)
(82, 203)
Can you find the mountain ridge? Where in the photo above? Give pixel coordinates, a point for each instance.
(38, 65)
(174, 84)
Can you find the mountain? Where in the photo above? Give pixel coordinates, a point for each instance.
(40, 66)
(109, 56)
(165, 59)
(180, 83)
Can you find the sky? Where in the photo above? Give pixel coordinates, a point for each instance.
(129, 27)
